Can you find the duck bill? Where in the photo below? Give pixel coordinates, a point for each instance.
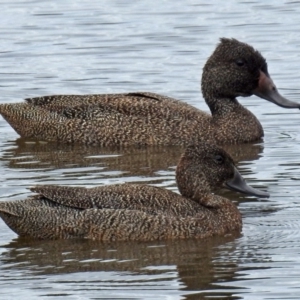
(267, 90)
(238, 183)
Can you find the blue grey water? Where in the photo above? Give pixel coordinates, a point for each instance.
(81, 47)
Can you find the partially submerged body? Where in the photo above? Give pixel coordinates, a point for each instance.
(137, 212)
(234, 69)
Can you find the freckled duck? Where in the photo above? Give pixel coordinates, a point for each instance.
(137, 211)
(234, 69)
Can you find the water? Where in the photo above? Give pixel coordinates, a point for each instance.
(76, 47)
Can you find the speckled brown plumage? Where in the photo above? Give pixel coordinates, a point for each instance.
(146, 118)
(133, 211)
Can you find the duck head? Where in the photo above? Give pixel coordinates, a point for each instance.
(237, 69)
(205, 167)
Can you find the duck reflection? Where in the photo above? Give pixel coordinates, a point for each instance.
(25, 154)
(198, 264)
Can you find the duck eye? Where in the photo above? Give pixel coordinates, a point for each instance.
(240, 62)
(219, 159)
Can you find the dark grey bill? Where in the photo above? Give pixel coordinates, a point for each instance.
(267, 90)
(238, 183)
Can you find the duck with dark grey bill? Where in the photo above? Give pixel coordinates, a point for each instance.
(137, 211)
(234, 69)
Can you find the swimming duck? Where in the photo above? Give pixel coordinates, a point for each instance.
(137, 211)
(234, 69)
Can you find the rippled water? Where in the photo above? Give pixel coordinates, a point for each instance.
(61, 47)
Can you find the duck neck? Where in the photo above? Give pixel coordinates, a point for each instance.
(222, 106)
(200, 194)
(193, 187)
(220, 99)
(232, 123)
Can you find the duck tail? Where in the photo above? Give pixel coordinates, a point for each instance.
(9, 209)
(8, 212)
(31, 121)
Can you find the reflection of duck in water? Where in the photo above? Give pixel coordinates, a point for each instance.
(234, 69)
(132, 160)
(137, 212)
(51, 257)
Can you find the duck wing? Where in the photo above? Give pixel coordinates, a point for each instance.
(140, 104)
(107, 120)
(149, 199)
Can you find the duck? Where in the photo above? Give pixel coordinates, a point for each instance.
(138, 212)
(142, 118)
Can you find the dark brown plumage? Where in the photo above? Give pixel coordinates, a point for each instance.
(137, 212)
(234, 69)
